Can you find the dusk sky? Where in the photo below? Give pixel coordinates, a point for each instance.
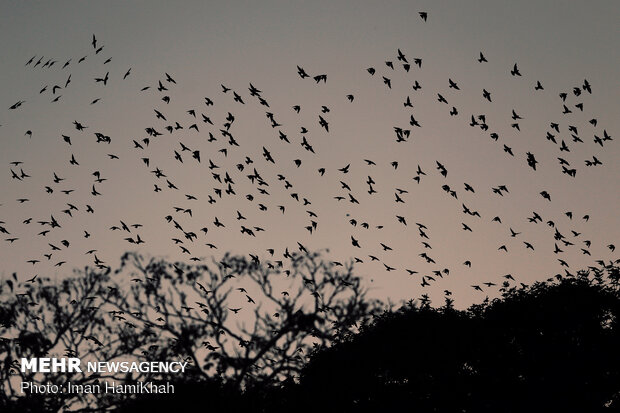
(204, 45)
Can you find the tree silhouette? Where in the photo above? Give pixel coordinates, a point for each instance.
(551, 346)
(239, 323)
(548, 347)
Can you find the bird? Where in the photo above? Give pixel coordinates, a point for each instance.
(486, 94)
(104, 79)
(17, 104)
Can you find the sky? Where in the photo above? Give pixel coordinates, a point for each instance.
(204, 45)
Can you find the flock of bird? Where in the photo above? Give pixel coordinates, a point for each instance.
(203, 141)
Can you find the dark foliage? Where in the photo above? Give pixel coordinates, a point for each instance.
(238, 323)
(549, 347)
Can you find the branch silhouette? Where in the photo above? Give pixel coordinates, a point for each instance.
(151, 309)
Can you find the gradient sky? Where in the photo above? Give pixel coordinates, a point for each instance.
(205, 44)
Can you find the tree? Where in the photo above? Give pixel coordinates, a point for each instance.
(240, 323)
(548, 347)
